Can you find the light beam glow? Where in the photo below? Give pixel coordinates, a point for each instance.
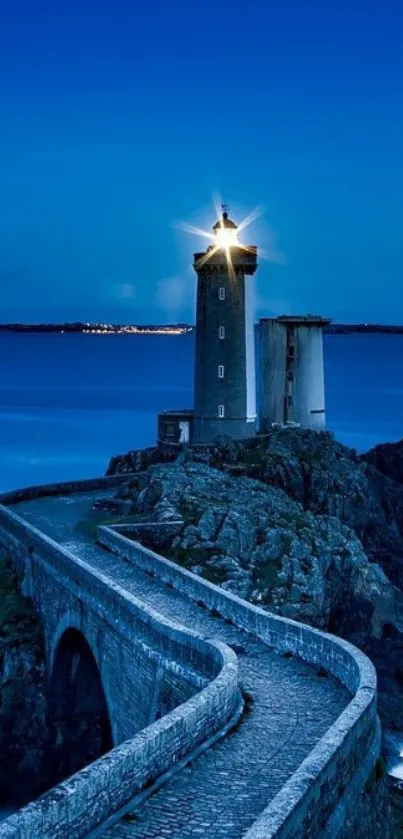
(197, 231)
(226, 237)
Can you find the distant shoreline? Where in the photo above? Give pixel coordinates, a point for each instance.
(362, 329)
(99, 328)
(174, 328)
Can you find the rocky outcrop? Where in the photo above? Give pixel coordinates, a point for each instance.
(255, 540)
(329, 478)
(371, 818)
(138, 460)
(23, 703)
(388, 459)
(300, 524)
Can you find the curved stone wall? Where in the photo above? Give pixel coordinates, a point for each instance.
(317, 799)
(306, 802)
(64, 487)
(79, 804)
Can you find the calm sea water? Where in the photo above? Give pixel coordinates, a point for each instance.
(69, 402)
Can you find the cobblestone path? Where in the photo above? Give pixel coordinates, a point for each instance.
(225, 789)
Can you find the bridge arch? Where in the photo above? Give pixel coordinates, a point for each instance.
(74, 619)
(80, 723)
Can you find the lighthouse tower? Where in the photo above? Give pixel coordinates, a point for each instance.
(225, 387)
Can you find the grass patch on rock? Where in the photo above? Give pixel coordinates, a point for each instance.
(190, 511)
(265, 577)
(18, 622)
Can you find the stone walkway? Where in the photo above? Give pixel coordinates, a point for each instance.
(290, 707)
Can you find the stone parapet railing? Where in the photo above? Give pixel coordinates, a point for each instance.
(65, 488)
(79, 804)
(307, 801)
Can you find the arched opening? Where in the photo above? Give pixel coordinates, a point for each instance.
(79, 719)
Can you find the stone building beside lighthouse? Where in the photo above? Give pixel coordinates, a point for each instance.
(290, 376)
(291, 382)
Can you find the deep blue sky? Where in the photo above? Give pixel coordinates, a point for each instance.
(118, 118)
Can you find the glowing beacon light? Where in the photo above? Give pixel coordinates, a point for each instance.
(225, 231)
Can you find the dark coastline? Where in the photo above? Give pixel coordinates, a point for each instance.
(177, 328)
(363, 329)
(98, 328)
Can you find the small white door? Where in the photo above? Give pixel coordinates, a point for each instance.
(184, 431)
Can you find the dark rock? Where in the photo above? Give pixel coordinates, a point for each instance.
(118, 506)
(300, 524)
(256, 541)
(139, 460)
(388, 459)
(24, 730)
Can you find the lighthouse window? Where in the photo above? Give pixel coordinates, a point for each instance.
(221, 411)
(220, 371)
(221, 332)
(221, 293)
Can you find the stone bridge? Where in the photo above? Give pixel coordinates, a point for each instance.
(216, 717)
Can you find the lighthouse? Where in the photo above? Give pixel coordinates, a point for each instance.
(225, 385)
(290, 357)
(224, 381)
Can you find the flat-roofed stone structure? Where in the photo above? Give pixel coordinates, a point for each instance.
(291, 379)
